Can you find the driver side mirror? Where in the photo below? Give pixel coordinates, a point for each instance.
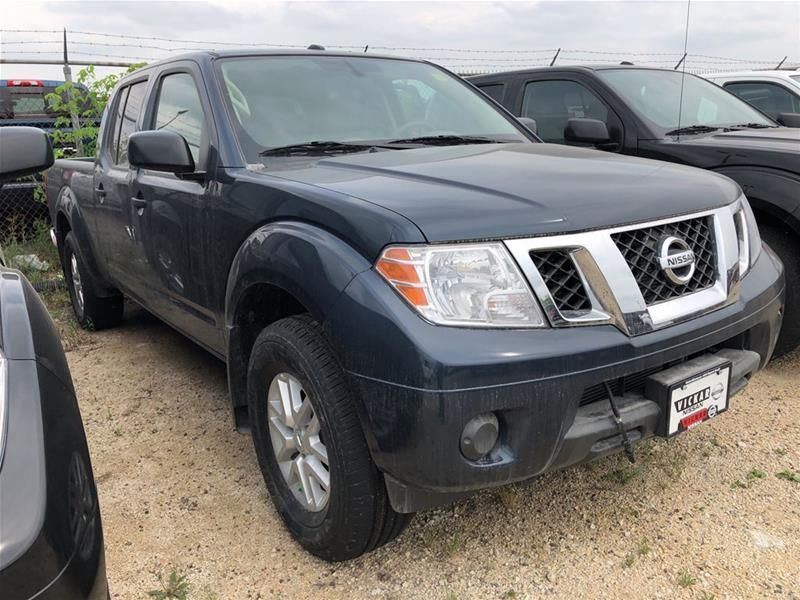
(23, 151)
(530, 124)
(789, 119)
(160, 150)
(586, 131)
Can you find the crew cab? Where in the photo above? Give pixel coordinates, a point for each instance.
(637, 111)
(415, 298)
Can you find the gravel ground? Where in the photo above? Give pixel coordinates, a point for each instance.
(704, 515)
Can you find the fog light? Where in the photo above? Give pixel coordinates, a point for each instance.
(479, 436)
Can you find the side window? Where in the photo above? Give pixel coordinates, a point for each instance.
(179, 109)
(130, 117)
(552, 103)
(114, 121)
(770, 98)
(494, 91)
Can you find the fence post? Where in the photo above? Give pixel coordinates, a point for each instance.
(76, 122)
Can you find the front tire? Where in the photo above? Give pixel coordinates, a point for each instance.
(786, 246)
(311, 448)
(92, 312)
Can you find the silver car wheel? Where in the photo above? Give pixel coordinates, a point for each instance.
(77, 286)
(295, 433)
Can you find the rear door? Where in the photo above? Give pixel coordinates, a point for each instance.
(112, 181)
(170, 212)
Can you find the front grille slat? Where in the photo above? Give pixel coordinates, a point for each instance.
(640, 249)
(561, 276)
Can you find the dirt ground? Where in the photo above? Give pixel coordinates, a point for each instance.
(705, 515)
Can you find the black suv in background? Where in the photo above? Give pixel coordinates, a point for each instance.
(637, 111)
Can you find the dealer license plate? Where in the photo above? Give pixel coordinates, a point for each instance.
(698, 398)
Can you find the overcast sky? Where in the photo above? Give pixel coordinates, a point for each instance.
(753, 31)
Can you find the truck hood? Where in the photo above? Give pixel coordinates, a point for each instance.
(506, 190)
(777, 148)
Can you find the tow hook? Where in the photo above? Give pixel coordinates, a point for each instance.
(626, 442)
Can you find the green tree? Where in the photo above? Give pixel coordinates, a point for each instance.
(86, 98)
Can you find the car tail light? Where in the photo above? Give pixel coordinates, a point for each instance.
(25, 83)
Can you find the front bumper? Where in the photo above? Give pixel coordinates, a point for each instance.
(417, 385)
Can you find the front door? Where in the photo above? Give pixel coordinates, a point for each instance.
(170, 214)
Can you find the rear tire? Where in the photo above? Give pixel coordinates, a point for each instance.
(92, 312)
(787, 247)
(352, 515)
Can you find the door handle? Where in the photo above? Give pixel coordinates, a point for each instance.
(139, 204)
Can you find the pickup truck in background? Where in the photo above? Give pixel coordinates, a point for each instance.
(775, 93)
(636, 111)
(23, 103)
(414, 297)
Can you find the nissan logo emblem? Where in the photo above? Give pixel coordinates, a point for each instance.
(676, 259)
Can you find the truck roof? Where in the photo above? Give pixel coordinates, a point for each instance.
(578, 68)
(249, 52)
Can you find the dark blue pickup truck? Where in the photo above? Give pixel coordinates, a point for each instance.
(415, 298)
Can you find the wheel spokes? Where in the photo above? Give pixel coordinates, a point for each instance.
(295, 429)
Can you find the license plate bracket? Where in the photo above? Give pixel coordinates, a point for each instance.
(690, 393)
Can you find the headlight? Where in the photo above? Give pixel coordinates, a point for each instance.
(749, 237)
(473, 285)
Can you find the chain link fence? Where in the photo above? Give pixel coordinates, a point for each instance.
(23, 209)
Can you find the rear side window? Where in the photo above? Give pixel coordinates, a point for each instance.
(114, 121)
(494, 91)
(552, 103)
(129, 117)
(770, 98)
(180, 110)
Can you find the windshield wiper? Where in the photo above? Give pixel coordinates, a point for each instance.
(752, 126)
(445, 140)
(693, 129)
(316, 147)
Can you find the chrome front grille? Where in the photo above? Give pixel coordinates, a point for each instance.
(615, 276)
(639, 247)
(561, 276)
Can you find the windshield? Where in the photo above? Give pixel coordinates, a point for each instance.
(278, 101)
(656, 96)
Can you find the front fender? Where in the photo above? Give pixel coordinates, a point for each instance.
(770, 191)
(308, 263)
(305, 261)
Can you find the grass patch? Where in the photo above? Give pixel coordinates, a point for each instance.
(624, 475)
(643, 549)
(686, 579)
(788, 476)
(508, 496)
(751, 477)
(35, 242)
(175, 587)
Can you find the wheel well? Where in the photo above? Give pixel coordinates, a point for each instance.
(261, 305)
(783, 221)
(62, 228)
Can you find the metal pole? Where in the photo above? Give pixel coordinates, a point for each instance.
(76, 122)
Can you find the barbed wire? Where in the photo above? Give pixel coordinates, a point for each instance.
(485, 60)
